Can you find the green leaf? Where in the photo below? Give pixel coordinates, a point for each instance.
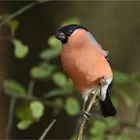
(55, 43)
(136, 77)
(58, 105)
(58, 102)
(99, 125)
(14, 86)
(111, 122)
(37, 109)
(24, 124)
(120, 77)
(72, 20)
(13, 24)
(97, 130)
(49, 54)
(55, 92)
(20, 50)
(128, 100)
(96, 134)
(59, 79)
(23, 112)
(72, 106)
(41, 71)
(52, 52)
(69, 85)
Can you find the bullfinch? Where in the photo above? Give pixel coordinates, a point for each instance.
(86, 62)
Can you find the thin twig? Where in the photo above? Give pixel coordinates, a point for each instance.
(31, 87)
(18, 12)
(47, 130)
(25, 96)
(84, 120)
(11, 116)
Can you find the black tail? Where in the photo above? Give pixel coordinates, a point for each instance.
(107, 107)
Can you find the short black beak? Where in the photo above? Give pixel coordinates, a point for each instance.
(60, 36)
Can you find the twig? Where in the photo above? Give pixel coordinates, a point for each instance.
(25, 96)
(11, 116)
(86, 115)
(47, 130)
(18, 12)
(31, 87)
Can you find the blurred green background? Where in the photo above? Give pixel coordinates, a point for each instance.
(33, 81)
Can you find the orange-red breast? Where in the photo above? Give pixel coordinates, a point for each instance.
(86, 62)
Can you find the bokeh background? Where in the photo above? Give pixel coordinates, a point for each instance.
(115, 25)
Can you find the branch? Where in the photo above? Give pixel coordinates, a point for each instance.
(31, 87)
(18, 12)
(25, 96)
(87, 113)
(11, 116)
(47, 130)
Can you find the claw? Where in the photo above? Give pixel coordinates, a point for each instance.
(103, 81)
(86, 115)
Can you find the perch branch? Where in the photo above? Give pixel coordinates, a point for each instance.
(47, 130)
(87, 113)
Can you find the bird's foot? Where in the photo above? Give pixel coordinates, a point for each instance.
(86, 115)
(103, 81)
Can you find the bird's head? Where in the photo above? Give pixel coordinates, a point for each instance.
(65, 32)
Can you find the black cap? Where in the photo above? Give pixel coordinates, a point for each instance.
(64, 32)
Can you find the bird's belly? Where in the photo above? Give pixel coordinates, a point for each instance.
(84, 79)
(86, 70)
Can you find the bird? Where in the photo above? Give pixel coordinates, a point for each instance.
(85, 62)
